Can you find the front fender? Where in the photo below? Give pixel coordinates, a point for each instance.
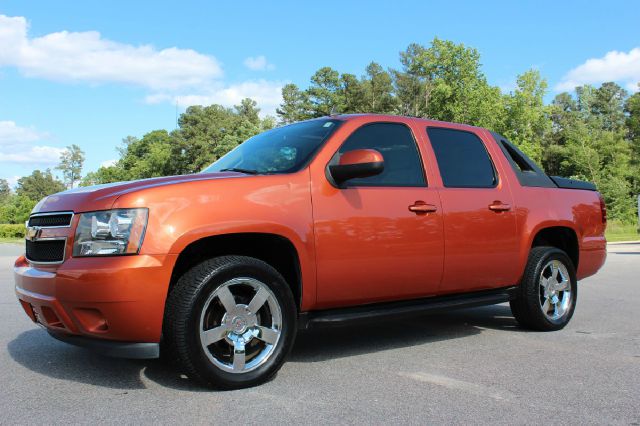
(180, 214)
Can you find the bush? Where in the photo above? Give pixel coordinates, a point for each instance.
(12, 231)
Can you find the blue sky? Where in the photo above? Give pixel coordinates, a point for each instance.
(91, 73)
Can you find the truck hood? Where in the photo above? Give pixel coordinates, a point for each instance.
(102, 197)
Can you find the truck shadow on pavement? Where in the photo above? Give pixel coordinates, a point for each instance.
(37, 351)
(350, 340)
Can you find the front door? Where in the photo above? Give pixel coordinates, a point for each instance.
(369, 245)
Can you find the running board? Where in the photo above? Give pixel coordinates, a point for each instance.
(393, 310)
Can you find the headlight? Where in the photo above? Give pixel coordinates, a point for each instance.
(110, 232)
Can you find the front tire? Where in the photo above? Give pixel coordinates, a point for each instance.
(546, 298)
(230, 322)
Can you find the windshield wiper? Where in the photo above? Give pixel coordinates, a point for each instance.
(240, 170)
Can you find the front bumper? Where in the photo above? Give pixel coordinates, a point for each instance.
(109, 299)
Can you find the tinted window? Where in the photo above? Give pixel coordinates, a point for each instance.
(280, 150)
(517, 159)
(527, 172)
(462, 159)
(402, 163)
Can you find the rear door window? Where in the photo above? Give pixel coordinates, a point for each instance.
(462, 159)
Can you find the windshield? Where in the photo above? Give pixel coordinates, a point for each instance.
(281, 150)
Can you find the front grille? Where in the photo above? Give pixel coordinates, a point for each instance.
(50, 220)
(49, 251)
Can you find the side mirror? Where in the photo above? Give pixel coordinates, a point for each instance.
(359, 163)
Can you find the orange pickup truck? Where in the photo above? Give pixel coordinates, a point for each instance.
(341, 218)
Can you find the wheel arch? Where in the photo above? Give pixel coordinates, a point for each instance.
(562, 237)
(274, 249)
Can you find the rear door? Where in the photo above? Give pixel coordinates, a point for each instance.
(481, 244)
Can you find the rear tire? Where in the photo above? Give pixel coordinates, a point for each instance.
(546, 297)
(230, 322)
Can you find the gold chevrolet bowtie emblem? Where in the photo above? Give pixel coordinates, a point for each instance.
(33, 232)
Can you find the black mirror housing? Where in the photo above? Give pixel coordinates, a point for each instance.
(342, 173)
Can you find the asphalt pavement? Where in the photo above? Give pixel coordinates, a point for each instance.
(473, 366)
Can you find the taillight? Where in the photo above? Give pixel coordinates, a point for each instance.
(603, 209)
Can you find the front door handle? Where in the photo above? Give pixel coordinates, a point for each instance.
(420, 207)
(499, 206)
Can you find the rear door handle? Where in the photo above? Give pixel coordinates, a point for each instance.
(420, 207)
(499, 206)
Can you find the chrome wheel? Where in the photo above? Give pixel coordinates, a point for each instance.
(240, 325)
(555, 290)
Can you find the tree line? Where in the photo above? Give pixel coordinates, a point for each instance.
(15, 206)
(592, 133)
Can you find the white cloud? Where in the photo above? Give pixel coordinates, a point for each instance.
(621, 67)
(44, 155)
(12, 135)
(268, 95)
(12, 181)
(108, 163)
(16, 146)
(87, 56)
(258, 63)
(171, 74)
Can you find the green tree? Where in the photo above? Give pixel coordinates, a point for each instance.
(526, 117)
(602, 157)
(201, 131)
(150, 156)
(632, 109)
(5, 190)
(452, 85)
(243, 129)
(248, 110)
(104, 175)
(409, 86)
(608, 105)
(233, 138)
(205, 134)
(378, 90)
(586, 143)
(632, 124)
(295, 105)
(564, 115)
(38, 185)
(354, 94)
(71, 162)
(325, 93)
